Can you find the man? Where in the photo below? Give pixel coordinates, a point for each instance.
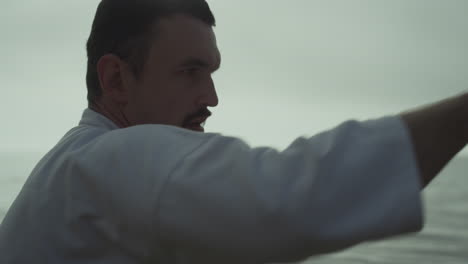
(137, 181)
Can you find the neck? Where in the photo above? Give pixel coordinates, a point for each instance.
(112, 112)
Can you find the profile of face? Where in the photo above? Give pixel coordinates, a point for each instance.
(175, 87)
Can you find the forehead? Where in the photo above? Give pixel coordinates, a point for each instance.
(180, 37)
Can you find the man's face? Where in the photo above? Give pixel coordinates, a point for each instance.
(175, 87)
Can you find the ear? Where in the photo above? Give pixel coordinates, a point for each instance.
(110, 72)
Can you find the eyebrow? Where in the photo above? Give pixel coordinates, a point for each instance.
(197, 62)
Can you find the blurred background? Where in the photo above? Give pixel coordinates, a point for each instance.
(289, 68)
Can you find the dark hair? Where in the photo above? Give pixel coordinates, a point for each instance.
(125, 28)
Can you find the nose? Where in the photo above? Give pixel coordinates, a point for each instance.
(209, 96)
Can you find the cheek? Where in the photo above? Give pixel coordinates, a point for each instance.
(169, 100)
(166, 106)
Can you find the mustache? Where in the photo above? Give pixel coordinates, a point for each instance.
(201, 113)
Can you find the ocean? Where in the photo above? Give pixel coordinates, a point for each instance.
(444, 238)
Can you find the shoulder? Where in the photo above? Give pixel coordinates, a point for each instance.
(144, 144)
(154, 138)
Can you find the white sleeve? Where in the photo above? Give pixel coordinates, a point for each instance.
(228, 201)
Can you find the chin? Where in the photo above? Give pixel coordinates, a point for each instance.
(196, 128)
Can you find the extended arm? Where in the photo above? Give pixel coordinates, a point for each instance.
(438, 132)
(344, 186)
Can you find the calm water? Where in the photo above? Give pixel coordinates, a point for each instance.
(443, 240)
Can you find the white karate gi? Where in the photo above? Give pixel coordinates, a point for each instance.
(162, 194)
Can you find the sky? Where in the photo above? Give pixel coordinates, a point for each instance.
(289, 68)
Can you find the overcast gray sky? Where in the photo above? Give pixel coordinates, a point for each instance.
(290, 68)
